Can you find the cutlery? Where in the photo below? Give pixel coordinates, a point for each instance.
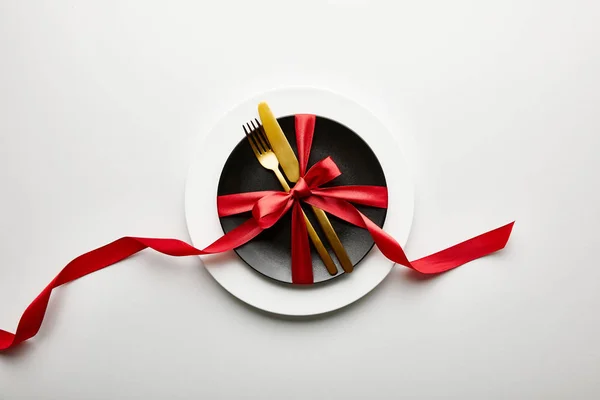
(267, 158)
(289, 164)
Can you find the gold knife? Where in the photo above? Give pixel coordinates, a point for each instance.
(291, 168)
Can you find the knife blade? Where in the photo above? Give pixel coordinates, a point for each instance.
(289, 164)
(281, 146)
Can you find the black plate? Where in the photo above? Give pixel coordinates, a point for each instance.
(270, 253)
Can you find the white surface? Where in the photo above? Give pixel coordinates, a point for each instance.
(210, 154)
(99, 106)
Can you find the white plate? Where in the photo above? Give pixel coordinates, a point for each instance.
(228, 269)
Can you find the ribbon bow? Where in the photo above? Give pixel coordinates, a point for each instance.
(267, 208)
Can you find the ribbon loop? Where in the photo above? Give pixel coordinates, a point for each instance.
(322, 172)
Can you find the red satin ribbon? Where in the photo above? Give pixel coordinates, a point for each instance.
(267, 208)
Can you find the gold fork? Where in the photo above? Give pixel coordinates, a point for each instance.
(267, 158)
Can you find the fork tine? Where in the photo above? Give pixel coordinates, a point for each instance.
(255, 137)
(257, 143)
(245, 130)
(249, 137)
(261, 135)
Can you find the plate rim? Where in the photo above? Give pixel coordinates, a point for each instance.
(264, 293)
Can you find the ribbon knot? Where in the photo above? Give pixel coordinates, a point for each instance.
(300, 190)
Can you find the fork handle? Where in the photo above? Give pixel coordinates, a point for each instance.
(312, 234)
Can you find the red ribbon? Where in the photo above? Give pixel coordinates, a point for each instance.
(267, 208)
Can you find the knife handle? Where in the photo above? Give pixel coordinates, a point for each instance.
(325, 256)
(312, 234)
(333, 239)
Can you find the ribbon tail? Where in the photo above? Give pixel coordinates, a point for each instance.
(302, 272)
(464, 252)
(436, 263)
(107, 255)
(95, 260)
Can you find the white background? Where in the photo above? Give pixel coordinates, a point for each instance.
(100, 103)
